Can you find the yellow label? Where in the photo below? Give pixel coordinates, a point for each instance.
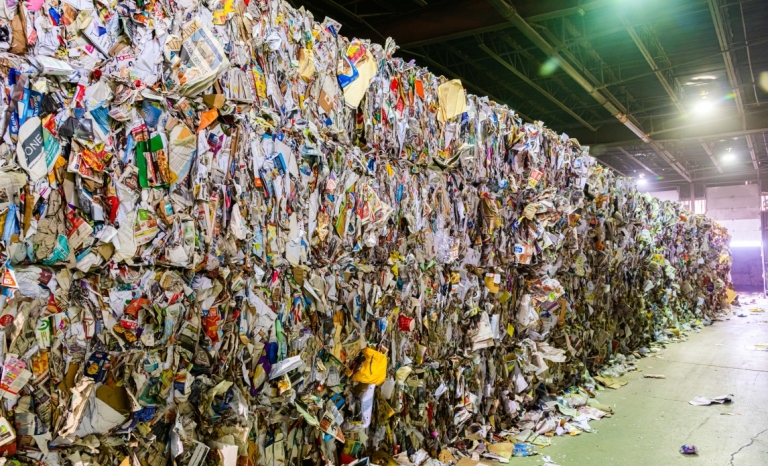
(260, 83)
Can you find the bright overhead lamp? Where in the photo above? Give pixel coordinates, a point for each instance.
(642, 182)
(704, 107)
(729, 156)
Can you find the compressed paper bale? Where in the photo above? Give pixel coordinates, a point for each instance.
(249, 239)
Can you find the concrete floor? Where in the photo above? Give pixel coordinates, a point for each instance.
(653, 418)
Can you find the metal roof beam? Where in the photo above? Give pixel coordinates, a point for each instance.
(670, 159)
(457, 63)
(658, 148)
(730, 69)
(483, 25)
(499, 80)
(579, 103)
(683, 64)
(464, 81)
(711, 155)
(749, 55)
(611, 103)
(695, 137)
(637, 161)
(458, 35)
(609, 166)
(735, 176)
(670, 84)
(758, 122)
(752, 152)
(511, 15)
(722, 38)
(576, 10)
(525, 79)
(353, 16)
(442, 21)
(605, 70)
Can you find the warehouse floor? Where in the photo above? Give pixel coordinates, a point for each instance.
(653, 417)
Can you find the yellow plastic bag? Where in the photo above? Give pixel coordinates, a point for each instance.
(374, 369)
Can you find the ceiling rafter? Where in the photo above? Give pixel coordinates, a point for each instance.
(710, 153)
(467, 82)
(603, 162)
(505, 84)
(637, 161)
(730, 69)
(522, 75)
(606, 71)
(579, 105)
(456, 62)
(645, 39)
(592, 53)
(495, 26)
(583, 77)
(576, 10)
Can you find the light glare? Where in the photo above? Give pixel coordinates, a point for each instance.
(704, 107)
(746, 243)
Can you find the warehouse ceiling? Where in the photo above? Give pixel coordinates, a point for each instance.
(674, 89)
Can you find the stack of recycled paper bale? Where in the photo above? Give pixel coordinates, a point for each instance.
(233, 236)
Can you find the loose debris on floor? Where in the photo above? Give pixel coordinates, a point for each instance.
(689, 450)
(705, 401)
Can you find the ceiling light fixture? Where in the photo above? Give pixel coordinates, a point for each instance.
(729, 156)
(704, 107)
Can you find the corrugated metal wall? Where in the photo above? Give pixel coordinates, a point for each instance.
(738, 209)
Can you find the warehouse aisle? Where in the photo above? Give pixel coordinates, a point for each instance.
(653, 417)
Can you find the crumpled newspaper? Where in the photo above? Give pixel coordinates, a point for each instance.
(232, 235)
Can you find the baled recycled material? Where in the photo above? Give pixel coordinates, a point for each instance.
(233, 236)
(451, 99)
